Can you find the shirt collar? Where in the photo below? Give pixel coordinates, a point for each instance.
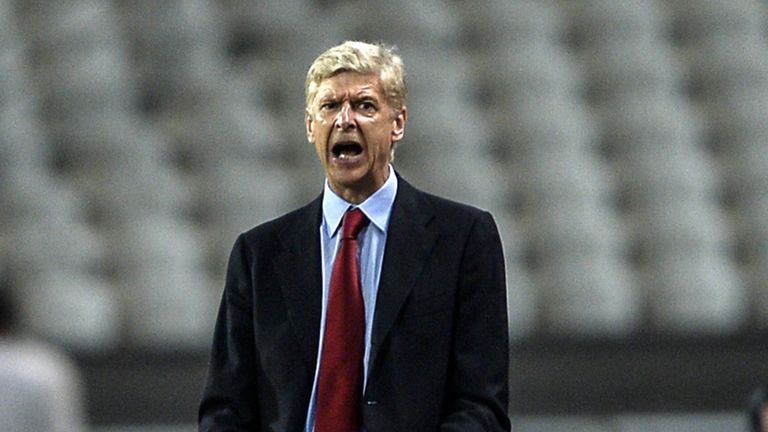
(376, 207)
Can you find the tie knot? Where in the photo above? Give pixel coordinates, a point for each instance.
(354, 221)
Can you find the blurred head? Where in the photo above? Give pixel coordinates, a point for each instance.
(355, 115)
(8, 312)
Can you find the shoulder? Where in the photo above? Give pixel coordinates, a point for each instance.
(453, 208)
(443, 210)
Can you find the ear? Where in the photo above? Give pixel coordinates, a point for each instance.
(398, 124)
(310, 126)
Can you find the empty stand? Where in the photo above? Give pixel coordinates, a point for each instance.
(601, 22)
(176, 48)
(159, 264)
(428, 23)
(621, 146)
(698, 294)
(716, 19)
(500, 24)
(727, 66)
(621, 71)
(73, 309)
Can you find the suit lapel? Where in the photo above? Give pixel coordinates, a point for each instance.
(409, 242)
(300, 278)
(297, 265)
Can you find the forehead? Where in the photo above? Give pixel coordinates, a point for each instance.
(351, 83)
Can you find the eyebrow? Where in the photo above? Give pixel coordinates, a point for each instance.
(362, 95)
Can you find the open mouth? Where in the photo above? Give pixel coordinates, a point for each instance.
(346, 149)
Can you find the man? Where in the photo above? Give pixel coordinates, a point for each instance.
(376, 307)
(758, 410)
(40, 388)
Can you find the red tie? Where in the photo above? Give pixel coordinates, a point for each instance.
(341, 366)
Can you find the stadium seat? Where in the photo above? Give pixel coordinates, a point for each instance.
(22, 141)
(604, 21)
(542, 128)
(522, 309)
(426, 90)
(85, 82)
(426, 23)
(455, 176)
(551, 182)
(567, 231)
(178, 49)
(99, 142)
(445, 130)
(711, 19)
(746, 173)
(130, 193)
(72, 309)
(169, 308)
(79, 64)
(737, 121)
(59, 30)
(509, 76)
(752, 230)
(722, 66)
(155, 132)
(630, 70)
(655, 125)
(159, 264)
(225, 128)
(270, 18)
(757, 277)
(38, 244)
(8, 25)
(234, 197)
(247, 192)
(681, 227)
(500, 23)
(652, 177)
(696, 294)
(13, 79)
(154, 242)
(589, 295)
(43, 224)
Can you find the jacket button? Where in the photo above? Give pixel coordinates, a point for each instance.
(371, 402)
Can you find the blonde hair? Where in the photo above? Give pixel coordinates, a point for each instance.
(360, 57)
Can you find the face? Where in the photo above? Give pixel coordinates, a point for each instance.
(354, 128)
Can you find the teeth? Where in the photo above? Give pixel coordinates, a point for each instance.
(346, 151)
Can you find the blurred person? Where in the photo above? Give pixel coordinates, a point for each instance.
(758, 410)
(39, 386)
(376, 307)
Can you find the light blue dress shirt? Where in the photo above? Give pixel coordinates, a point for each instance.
(371, 241)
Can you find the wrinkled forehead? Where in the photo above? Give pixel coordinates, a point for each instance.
(349, 84)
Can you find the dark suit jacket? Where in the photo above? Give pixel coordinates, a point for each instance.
(439, 350)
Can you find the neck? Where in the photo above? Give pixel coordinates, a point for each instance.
(358, 193)
(353, 196)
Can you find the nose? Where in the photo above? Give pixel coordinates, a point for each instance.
(345, 119)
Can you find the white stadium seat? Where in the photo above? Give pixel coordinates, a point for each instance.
(73, 309)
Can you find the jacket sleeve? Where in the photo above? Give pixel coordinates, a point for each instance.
(478, 385)
(229, 398)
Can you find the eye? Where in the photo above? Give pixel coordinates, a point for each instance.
(328, 105)
(367, 106)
